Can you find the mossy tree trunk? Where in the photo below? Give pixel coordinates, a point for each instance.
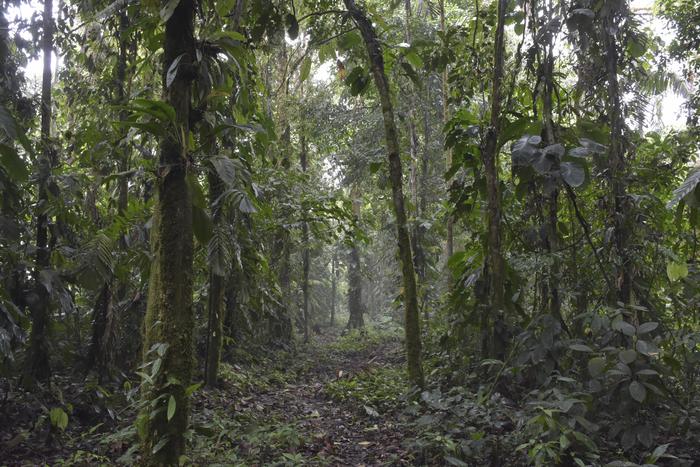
(169, 319)
(37, 367)
(412, 318)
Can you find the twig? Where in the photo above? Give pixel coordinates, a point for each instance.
(587, 233)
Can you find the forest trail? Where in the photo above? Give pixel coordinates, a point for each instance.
(316, 416)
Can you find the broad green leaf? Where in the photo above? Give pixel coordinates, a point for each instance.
(646, 328)
(196, 191)
(13, 163)
(7, 123)
(172, 70)
(414, 59)
(573, 174)
(637, 391)
(635, 48)
(596, 366)
(191, 389)
(305, 69)
(172, 405)
(628, 356)
(159, 445)
(59, 418)
(580, 348)
(225, 168)
(686, 188)
(624, 327)
(349, 40)
(246, 205)
(201, 225)
(676, 271)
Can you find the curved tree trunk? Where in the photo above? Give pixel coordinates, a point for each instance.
(412, 324)
(169, 315)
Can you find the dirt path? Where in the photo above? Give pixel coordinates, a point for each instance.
(303, 419)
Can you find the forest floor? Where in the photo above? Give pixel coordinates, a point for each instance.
(336, 401)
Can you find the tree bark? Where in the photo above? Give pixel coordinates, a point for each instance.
(449, 247)
(334, 284)
(215, 304)
(37, 366)
(217, 279)
(304, 227)
(169, 314)
(412, 319)
(553, 197)
(356, 319)
(616, 160)
(495, 267)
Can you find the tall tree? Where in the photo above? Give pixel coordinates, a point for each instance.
(494, 265)
(169, 319)
(37, 366)
(412, 318)
(303, 161)
(217, 272)
(612, 16)
(445, 88)
(335, 272)
(355, 309)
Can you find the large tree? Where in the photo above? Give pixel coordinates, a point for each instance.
(169, 319)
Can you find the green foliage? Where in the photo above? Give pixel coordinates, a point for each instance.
(377, 390)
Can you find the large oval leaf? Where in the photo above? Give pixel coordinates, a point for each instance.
(638, 391)
(573, 174)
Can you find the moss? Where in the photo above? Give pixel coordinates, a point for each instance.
(169, 315)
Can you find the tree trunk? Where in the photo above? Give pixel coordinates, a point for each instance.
(616, 160)
(304, 228)
(449, 247)
(104, 329)
(356, 320)
(101, 353)
(169, 314)
(37, 365)
(215, 305)
(553, 197)
(412, 324)
(494, 267)
(217, 279)
(334, 284)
